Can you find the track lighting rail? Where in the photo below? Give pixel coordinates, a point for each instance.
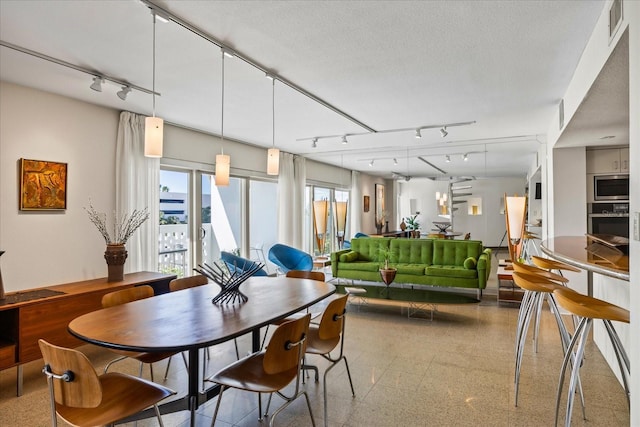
(75, 67)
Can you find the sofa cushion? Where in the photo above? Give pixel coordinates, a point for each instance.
(470, 263)
(359, 266)
(414, 269)
(450, 271)
(369, 249)
(452, 252)
(349, 257)
(411, 251)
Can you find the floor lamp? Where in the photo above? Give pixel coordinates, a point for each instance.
(515, 213)
(320, 213)
(340, 213)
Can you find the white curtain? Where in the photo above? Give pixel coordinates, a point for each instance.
(291, 185)
(137, 187)
(355, 217)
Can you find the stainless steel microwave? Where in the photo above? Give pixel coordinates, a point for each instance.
(610, 187)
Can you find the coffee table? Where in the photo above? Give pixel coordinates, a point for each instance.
(418, 299)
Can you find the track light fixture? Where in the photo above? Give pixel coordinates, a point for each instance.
(122, 94)
(344, 140)
(418, 134)
(371, 164)
(395, 162)
(447, 158)
(97, 84)
(314, 142)
(464, 157)
(443, 131)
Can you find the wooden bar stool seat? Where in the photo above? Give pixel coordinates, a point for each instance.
(536, 288)
(552, 264)
(587, 309)
(530, 269)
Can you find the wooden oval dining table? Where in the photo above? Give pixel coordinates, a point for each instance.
(187, 320)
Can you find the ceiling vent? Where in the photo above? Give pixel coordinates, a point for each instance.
(615, 18)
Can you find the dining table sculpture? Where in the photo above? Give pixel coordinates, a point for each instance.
(228, 281)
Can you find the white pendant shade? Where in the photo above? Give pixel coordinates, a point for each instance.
(223, 164)
(153, 136)
(273, 161)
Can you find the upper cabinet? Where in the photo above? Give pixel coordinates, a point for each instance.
(608, 160)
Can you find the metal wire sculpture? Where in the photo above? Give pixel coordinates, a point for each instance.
(229, 281)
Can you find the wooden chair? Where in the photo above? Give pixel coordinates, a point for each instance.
(297, 274)
(125, 296)
(551, 264)
(187, 282)
(270, 370)
(324, 338)
(82, 398)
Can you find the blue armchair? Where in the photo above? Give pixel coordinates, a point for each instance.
(239, 264)
(288, 258)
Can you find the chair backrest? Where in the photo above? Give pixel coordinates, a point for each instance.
(359, 234)
(288, 258)
(84, 389)
(127, 295)
(302, 274)
(187, 282)
(239, 264)
(332, 321)
(286, 347)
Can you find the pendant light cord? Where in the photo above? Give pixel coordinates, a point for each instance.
(273, 113)
(222, 109)
(153, 84)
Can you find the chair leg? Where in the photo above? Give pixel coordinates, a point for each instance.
(565, 362)
(166, 371)
(215, 412)
(521, 340)
(112, 362)
(287, 403)
(157, 410)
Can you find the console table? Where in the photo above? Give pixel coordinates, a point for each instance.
(29, 315)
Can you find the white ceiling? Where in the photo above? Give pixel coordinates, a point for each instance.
(388, 64)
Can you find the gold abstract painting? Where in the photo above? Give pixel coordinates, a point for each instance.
(43, 185)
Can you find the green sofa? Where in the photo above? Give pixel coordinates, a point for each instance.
(435, 262)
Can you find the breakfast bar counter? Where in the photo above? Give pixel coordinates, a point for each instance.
(573, 251)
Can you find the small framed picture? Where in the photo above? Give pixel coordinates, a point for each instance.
(366, 203)
(43, 185)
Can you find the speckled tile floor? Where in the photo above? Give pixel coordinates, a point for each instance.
(456, 370)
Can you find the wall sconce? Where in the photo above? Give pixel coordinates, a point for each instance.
(516, 210)
(340, 213)
(474, 206)
(320, 213)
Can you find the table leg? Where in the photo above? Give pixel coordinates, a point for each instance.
(19, 380)
(194, 379)
(255, 340)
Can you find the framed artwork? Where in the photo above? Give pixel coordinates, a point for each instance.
(43, 185)
(366, 203)
(379, 202)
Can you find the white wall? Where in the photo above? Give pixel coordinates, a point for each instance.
(488, 227)
(45, 248)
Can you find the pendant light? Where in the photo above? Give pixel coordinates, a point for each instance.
(153, 126)
(273, 154)
(223, 161)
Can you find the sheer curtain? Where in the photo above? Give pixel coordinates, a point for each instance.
(137, 187)
(355, 217)
(291, 185)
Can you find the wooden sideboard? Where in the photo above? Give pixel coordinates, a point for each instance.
(29, 315)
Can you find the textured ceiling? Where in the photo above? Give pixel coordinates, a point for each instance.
(388, 64)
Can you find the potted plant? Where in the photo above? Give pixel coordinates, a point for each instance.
(387, 272)
(413, 226)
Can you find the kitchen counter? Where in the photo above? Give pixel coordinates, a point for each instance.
(572, 250)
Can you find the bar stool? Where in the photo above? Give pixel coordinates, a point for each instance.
(551, 264)
(536, 289)
(527, 240)
(587, 309)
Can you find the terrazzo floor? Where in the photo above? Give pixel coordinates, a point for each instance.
(456, 370)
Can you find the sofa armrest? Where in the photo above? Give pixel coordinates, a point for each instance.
(335, 258)
(484, 268)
